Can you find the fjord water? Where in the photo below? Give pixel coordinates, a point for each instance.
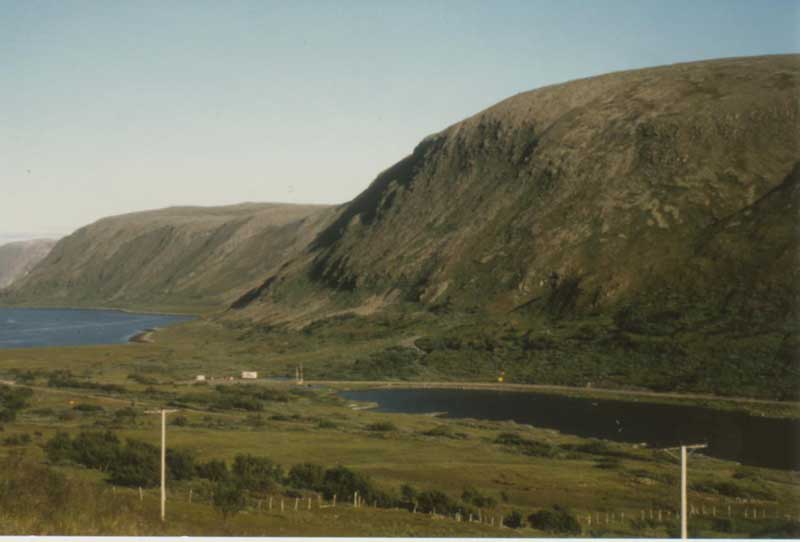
(750, 440)
(22, 328)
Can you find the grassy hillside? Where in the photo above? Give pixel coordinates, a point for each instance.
(182, 258)
(18, 258)
(637, 228)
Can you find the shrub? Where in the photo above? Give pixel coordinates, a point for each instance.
(255, 420)
(12, 400)
(228, 498)
(256, 473)
(306, 476)
(143, 379)
(343, 481)
(408, 496)
(180, 421)
(556, 520)
(326, 424)
(180, 464)
(19, 439)
(513, 520)
(125, 414)
(473, 497)
(608, 463)
(437, 501)
(96, 450)
(86, 407)
(382, 426)
(59, 448)
(526, 446)
(215, 470)
(138, 464)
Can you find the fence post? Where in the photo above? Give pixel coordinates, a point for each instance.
(355, 499)
(622, 516)
(141, 497)
(309, 503)
(589, 519)
(270, 503)
(282, 505)
(296, 503)
(190, 495)
(334, 500)
(319, 500)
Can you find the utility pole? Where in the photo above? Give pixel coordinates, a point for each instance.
(163, 413)
(684, 457)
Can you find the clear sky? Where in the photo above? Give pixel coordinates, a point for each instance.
(109, 106)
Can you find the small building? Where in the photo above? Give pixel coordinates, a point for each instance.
(200, 378)
(249, 375)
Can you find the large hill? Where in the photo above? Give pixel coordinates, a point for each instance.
(19, 257)
(651, 216)
(180, 258)
(642, 184)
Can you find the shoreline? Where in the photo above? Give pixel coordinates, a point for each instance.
(144, 337)
(195, 315)
(786, 409)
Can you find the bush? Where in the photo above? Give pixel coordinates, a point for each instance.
(408, 496)
(382, 426)
(143, 379)
(95, 450)
(256, 473)
(12, 400)
(326, 424)
(86, 407)
(343, 481)
(306, 476)
(20, 439)
(556, 520)
(180, 464)
(438, 502)
(228, 498)
(179, 421)
(138, 465)
(473, 497)
(59, 448)
(513, 520)
(215, 470)
(255, 420)
(526, 446)
(125, 414)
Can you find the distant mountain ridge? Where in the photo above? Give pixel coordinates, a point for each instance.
(180, 258)
(19, 257)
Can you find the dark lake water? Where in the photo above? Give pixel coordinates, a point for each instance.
(20, 328)
(750, 440)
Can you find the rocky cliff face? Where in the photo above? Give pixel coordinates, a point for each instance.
(665, 185)
(184, 258)
(18, 258)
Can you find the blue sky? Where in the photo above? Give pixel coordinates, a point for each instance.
(109, 107)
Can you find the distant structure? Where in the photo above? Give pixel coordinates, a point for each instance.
(249, 375)
(200, 378)
(298, 374)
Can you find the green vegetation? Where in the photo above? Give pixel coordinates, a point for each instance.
(556, 520)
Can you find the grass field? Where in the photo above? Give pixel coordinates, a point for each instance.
(292, 424)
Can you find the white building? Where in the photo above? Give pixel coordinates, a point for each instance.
(200, 378)
(249, 375)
